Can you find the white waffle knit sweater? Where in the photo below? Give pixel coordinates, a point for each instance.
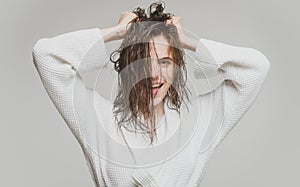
(59, 61)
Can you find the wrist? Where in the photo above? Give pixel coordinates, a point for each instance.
(113, 33)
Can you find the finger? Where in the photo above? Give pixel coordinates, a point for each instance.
(176, 20)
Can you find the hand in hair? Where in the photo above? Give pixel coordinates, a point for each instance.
(176, 21)
(125, 21)
(118, 31)
(187, 42)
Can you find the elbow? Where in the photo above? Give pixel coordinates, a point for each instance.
(40, 48)
(40, 52)
(262, 63)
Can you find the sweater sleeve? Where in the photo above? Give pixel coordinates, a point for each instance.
(244, 71)
(59, 61)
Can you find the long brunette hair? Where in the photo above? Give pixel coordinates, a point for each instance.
(134, 69)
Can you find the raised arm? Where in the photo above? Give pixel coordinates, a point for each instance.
(59, 61)
(244, 71)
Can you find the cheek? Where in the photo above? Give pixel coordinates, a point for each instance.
(168, 74)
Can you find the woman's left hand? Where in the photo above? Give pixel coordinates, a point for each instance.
(176, 21)
(187, 42)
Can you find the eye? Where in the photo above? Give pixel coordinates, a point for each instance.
(165, 62)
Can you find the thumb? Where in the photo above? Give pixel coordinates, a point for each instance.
(169, 22)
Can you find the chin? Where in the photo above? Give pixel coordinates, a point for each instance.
(157, 101)
(160, 95)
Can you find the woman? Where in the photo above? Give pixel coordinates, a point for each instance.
(148, 107)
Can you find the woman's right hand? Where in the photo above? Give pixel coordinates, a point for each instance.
(126, 17)
(118, 31)
(124, 22)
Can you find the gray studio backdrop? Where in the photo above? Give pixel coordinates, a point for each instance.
(37, 148)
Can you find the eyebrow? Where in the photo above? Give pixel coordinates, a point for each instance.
(166, 58)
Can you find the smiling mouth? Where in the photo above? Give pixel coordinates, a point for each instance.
(157, 86)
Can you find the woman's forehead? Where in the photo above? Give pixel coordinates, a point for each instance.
(162, 47)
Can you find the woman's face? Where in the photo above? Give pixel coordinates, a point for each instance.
(162, 68)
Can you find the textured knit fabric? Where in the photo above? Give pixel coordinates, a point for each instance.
(61, 59)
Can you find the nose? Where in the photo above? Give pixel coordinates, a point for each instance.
(156, 70)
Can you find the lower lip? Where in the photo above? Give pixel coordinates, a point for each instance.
(155, 90)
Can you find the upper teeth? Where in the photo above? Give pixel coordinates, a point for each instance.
(156, 85)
